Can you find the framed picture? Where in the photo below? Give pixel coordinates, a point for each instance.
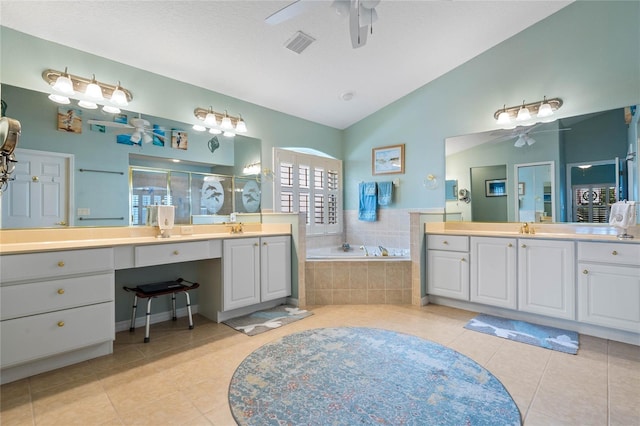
(69, 120)
(179, 139)
(495, 188)
(387, 160)
(158, 135)
(521, 188)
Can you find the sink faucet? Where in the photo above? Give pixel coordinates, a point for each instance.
(236, 229)
(383, 251)
(527, 229)
(366, 252)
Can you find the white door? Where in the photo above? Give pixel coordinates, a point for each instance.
(275, 268)
(38, 197)
(493, 271)
(546, 277)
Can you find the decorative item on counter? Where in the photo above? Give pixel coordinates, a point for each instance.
(166, 218)
(623, 215)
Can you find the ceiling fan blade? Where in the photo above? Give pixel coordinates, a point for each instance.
(358, 34)
(290, 11)
(110, 124)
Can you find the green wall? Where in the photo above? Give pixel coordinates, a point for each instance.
(588, 54)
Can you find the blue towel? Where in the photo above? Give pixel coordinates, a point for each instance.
(385, 190)
(368, 202)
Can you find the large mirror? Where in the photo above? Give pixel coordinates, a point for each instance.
(73, 173)
(569, 170)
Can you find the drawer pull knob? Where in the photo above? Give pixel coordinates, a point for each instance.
(510, 245)
(60, 323)
(264, 244)
(176, 252)
(445, 242)
(256, 244)
(61, 263)
(463, 260)
(615, 253)
(524, 246)
(585, 272)
(61, 291)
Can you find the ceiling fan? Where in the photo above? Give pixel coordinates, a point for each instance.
(362, 14)
(523, 135)
(138, 127)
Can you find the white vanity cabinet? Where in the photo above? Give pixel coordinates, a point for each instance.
(255, 270)
(546, 277)
(609, 285)
(53, 303)
(493, 271)
(448, 266)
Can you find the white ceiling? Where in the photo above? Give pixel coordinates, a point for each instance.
(226, 47)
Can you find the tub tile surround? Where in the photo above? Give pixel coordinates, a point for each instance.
(390, 230)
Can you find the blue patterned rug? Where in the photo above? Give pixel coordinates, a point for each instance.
(521, 331)
(358, 376)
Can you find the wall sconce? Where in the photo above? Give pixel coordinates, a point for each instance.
(88, 91)
(430, 182)
(527, 114)
(218, 122)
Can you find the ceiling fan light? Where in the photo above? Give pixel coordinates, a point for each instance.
(93, 91)
(111, 109)
(215, 131)
(520, 142)
(523, 114)
(147, 138)
(87, 104)
(135, 137)
(530, 141)
(59, 99)
(199, 128)
(341, 7)
(118, 97)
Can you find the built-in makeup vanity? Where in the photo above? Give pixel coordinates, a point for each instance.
(57, 292)
(579, 277)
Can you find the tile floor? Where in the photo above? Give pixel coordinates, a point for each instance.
(181, 376)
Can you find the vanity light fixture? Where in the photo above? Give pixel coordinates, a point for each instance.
(218, 122)
(527, 114)
(88, 91)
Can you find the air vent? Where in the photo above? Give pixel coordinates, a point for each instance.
(299, 41)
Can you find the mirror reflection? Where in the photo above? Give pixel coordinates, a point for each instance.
(569, 170)
(85, 170)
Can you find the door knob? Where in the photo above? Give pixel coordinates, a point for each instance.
(585, 272)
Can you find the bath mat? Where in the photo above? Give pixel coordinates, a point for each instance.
(261, 321)
(553, 338)
(365, 376)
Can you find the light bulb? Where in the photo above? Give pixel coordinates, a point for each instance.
(64, 84)
(59, 99)
(241, 126)
(118, 97)
(111, 109)
(226, 122)
(93, 91)
(135, 137)
(523, 114)
(210, 119)
(503, 118)
(87, 104)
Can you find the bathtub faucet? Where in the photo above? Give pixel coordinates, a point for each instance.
(366, 253)
(383, 251)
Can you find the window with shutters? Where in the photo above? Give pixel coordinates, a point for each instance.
(309, 184)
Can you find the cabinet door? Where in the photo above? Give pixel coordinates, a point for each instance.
(546, 277)
(448, 274)
(493, 271)
(275, 267)
(240, 273)
(609, 295)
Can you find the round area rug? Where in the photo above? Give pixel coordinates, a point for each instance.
(351, 376)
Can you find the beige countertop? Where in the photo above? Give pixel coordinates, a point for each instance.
(37, 240)
(565, 231)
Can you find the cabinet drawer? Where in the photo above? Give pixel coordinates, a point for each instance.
(159, 254)
(448, 242)
(23, 267)
(46, 296)
(38, 336)
(619, 253)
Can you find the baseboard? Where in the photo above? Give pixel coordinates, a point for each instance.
(155, 318)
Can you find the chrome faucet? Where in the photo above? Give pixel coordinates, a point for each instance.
(383, 251)
(366, 252)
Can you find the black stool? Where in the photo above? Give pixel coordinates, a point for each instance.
(149, 291)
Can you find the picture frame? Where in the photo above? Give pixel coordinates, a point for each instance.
(521, 188)
(179, 139)
(69, 120)
(495, 188)
(387, 160)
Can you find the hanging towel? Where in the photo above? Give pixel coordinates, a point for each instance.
(166, 215)
(385, 191)
(623, 214)
(368, 202)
